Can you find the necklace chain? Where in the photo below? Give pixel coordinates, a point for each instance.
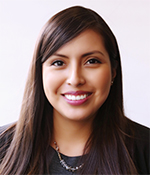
(64, 164)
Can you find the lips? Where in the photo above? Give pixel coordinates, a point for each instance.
(76, 97)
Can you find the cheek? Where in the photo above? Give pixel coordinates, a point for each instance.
(102, 79)
(102, 84)
(105, 80)
(51, 83)
(102, 87)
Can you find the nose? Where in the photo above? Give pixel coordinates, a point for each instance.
(75, 77)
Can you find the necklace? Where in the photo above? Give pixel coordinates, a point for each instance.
(64, 164)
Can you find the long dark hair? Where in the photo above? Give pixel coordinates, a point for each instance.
(30, 137)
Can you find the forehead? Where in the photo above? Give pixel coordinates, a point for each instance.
(87, 41)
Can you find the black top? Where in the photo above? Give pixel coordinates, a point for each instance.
(56, 167)
(141, 153)
(142, 149)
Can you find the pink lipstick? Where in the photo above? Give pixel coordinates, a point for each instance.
(76, 97)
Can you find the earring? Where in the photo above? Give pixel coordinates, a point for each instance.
(112, 82)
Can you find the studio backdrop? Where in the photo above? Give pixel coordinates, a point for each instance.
(21, 22)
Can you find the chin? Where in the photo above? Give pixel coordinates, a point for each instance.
(79, 118)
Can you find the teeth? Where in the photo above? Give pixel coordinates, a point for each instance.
(77, 97)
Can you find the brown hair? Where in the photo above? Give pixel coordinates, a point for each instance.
(30, 137)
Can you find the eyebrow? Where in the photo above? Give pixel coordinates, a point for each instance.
(84, 55)
(91, 53)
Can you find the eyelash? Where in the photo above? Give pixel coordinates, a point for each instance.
(96, 61)
(58, 63)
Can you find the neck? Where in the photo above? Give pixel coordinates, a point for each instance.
(71, 136)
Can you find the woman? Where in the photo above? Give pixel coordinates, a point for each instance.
(72, 118)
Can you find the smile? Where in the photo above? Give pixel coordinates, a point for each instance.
(76, 97)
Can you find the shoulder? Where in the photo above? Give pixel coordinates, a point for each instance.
(6, 136)
(6, 133)
(141, 131)
(141, 147)
(7, 130)
(141, 136)
(4, 128)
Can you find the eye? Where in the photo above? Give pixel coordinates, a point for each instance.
(93, 61)
(58, 63)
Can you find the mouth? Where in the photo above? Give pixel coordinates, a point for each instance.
(77, 98)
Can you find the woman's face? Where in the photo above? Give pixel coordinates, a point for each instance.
(77, 77)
